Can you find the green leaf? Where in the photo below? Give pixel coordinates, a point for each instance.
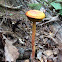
(59, 0)
(45, 3)
(49, 0)
(10, 14)
(42, 0)
(35, 6)
(60, 11)
(57, 6)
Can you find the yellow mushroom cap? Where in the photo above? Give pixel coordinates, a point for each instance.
(35, 14)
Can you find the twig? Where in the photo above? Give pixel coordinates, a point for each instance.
(1, 51)
(51, 38)
(52, 19)
(10, 7)
(2, 21)
(57, 31)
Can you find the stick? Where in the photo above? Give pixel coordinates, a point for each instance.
(10, 7)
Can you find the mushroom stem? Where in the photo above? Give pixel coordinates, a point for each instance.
(33, 39)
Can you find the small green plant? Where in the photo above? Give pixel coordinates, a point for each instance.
(60, 12)
(10, 14)
(57, 5)
(36, 6)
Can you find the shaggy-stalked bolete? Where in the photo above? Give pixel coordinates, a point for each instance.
(34, 16)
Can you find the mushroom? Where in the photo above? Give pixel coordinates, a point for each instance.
(34, 16)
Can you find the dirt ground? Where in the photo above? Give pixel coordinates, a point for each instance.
(48, 44)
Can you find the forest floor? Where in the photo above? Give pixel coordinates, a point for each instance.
(48, 40)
